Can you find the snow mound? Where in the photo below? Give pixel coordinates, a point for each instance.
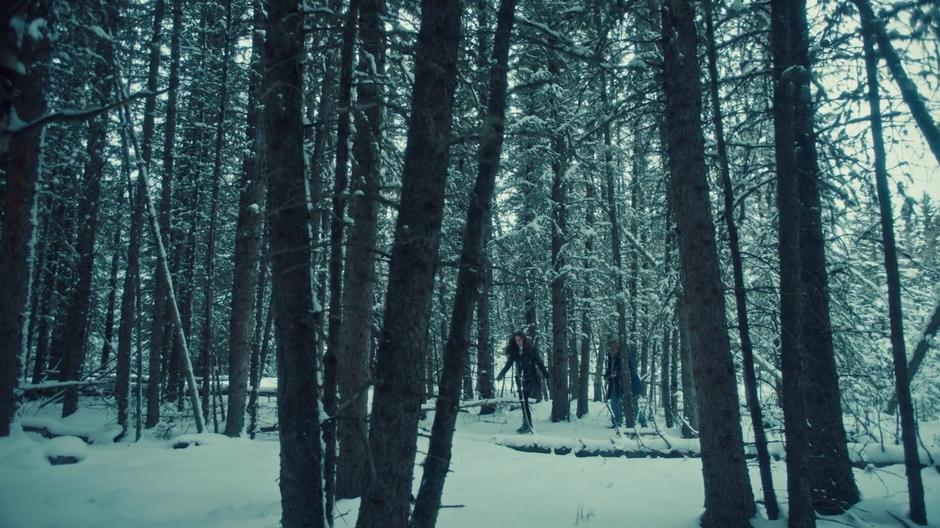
(65, 450)
(92, 433)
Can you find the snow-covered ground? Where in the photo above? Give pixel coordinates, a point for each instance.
(232, 483)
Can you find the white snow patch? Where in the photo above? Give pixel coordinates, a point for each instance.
(233, 483)
(36, 28)
(70, 447)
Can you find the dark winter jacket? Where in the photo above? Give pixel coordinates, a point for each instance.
(528, 365)
(613, 373)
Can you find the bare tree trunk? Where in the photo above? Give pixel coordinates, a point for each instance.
(833, 482)
(353, 373)
(334, 339)
(747, 349)
(297, 324)
(560, 406)
(159, 314)
(259, 349)
(674, 375)
(617, 254)
(689, 401)
(108, 346)
(208, 332)
(915, 485)
(51, 280)
(74, 333)
(129, 295)
(586, 329)
(665, 395)
(319, 216)
(635, 353)
(485, 359)
(584, 366)
(22, 171)
(572, 369)
(799, 490)
(729, 500)
(139, 392)
(470, 275)
(248, 232)
(154, 374)
(36, 290)
(398, 392)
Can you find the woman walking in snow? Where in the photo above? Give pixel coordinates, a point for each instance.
(529, 367)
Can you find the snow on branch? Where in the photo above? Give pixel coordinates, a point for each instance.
(17, 127)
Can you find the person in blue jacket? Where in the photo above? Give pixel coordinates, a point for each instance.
(529, 366)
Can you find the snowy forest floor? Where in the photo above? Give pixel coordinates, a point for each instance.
(232, 483)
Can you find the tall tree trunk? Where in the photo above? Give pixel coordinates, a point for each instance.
(248, 231)
(39, 262)
(208, 332)
(833, 482)
(129, 300)
(319, 216)
(674, 374)
(262, 329)
(352, 472)
(485, 358)
(617, 254)
(397, 396)
(799, 491)
(586, 329)
(154, 374)
(108, 346)
(60, 283)
(635, 352)
(584, 366)
(297, 324)
(915, 485)
(740, 295)
(74, 331)
(334, 339)
(139, 385)
(51, 282)
(574, 358)
(559, 367)
(469, 277)
(689, 402)
(159, 314)
(665, 394)
(188, 253)
(22, 171)
(729, 500)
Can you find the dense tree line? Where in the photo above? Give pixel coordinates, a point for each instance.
(371, 196)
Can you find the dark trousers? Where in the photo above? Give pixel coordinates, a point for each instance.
(527, 389)
(615, 398)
